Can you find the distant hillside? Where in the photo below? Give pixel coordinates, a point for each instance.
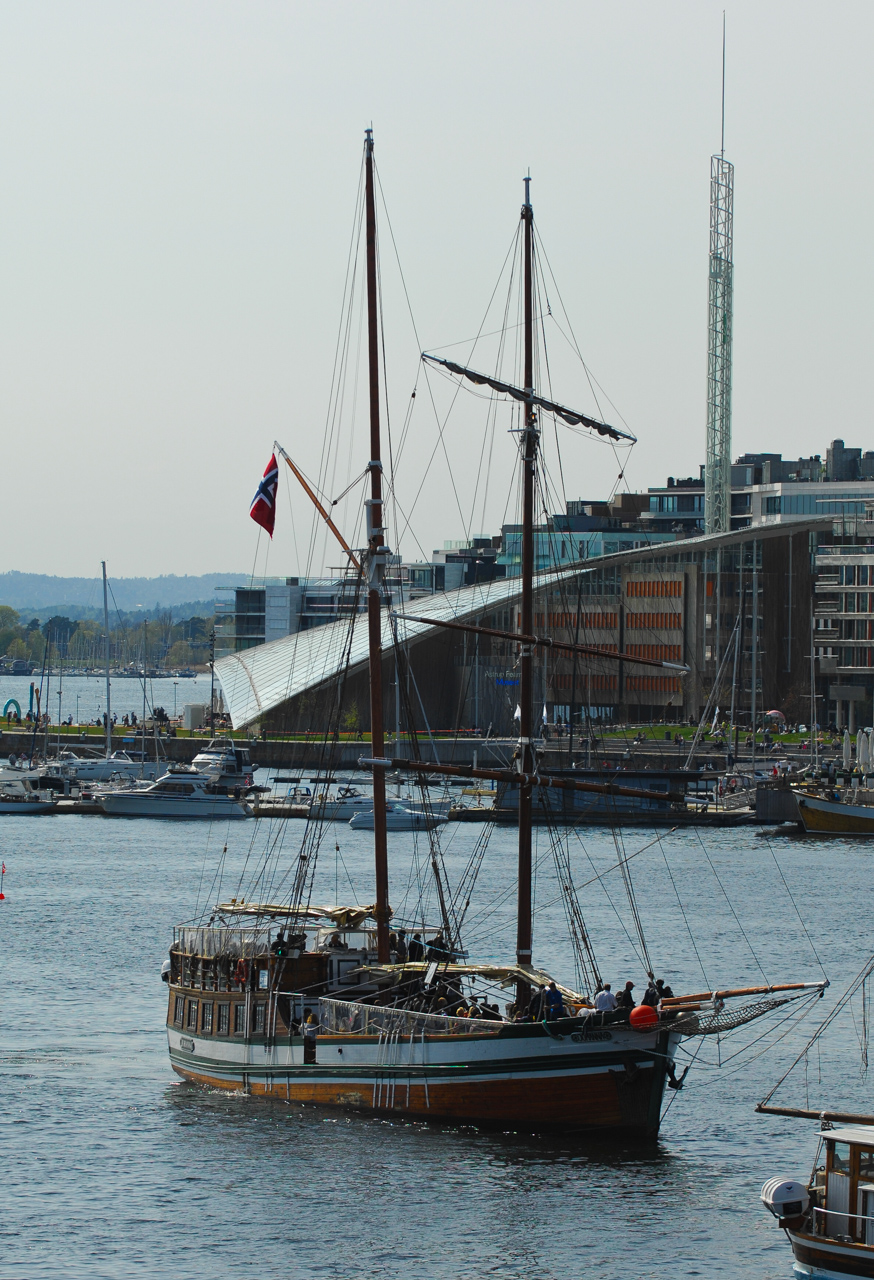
(40, 592)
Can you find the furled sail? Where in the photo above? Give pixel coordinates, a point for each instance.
(569, 416)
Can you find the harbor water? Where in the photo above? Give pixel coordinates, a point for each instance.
(113, 1167)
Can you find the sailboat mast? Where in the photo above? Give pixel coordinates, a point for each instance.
(106, 638)
(525, 760)
(375, 569)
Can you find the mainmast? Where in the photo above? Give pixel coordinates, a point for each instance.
(106, 638)
(526, 762)
(375, 568)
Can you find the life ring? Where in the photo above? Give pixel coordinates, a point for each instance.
(241, 972)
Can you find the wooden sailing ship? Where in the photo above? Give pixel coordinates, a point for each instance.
(323, 1005)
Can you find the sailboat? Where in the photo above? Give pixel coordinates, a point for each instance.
(330, 1005)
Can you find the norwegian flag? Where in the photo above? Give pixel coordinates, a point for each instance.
(263, 508)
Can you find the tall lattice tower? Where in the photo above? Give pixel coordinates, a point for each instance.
(717, 474)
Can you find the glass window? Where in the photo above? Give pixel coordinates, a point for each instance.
(206, 1019)
(192, 1015)
(841, 1157)
(866, 1166)
(259, 1019)
(239, 1019)
(224, 1019)
(178, 1010)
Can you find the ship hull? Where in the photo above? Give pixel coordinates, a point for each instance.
(836, 817)
(820, 1258)
(538, 1081)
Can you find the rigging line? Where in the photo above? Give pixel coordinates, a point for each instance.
(731, 907)
(795, 905)
(683, 914)
(632, 899)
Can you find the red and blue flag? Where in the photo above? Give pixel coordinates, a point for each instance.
(263, 508)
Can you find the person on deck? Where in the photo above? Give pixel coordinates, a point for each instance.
(665, 992)
(310, 1034)
(416, 950)
(626, 999)
(605, 1001)
(651, 995)
(401, 946)
(436, 947)
(554, 1003)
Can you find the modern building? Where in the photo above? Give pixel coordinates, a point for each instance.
(696, 601)
(767, 488)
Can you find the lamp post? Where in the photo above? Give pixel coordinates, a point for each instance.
(212, 683)
(175, 687)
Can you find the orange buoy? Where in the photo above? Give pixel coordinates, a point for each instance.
(643, 1016)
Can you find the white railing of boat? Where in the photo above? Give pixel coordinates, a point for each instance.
(344, 1017)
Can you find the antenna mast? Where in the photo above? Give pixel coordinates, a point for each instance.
(717, 471)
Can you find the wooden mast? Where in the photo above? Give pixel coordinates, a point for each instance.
(525, 758)
(375, 567)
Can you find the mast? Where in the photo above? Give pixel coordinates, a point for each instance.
(525, 759)
(376, 554)
(106, 631)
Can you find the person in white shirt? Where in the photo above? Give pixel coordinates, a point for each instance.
(605, 1001)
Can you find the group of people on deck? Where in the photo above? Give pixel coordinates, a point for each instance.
(656, 992)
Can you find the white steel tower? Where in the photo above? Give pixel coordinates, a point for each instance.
(717, 473)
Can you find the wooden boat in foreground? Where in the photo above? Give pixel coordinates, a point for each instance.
(829, 1221)
(835, 817)
(324, 1005)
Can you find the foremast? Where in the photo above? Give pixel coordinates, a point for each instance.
(374, 567)
(525, 759)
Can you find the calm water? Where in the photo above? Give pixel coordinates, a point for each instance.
(114, 1168)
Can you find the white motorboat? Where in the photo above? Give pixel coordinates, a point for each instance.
(183, 793)
(229, 765)
(397, 818)
(115, 767)
(26, 801)
(347, 803)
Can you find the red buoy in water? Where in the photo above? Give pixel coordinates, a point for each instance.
(643, 1017)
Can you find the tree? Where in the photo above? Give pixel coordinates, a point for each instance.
(17, 649)
(60, 630)
(9, 617)
(180, 655)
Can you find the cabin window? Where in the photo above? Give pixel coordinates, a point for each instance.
(866, 1166)
(841, 1157)
(239, 1019)
(192, 1015)
(206, 1019)
(224, 1019)
(178, 1010)
(259, 1019)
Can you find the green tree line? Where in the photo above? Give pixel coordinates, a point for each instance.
(163, 642)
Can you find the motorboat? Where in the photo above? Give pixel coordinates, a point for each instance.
(341, 806)
(115, 767)
(182, 793)
(229, 764)
(28, 798)
(398, 818)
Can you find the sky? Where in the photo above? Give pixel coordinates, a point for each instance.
(179, 186)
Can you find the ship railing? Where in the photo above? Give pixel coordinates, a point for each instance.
(346, 1017)
(217, 940)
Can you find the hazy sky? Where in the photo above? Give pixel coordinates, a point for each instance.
(177, 194)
